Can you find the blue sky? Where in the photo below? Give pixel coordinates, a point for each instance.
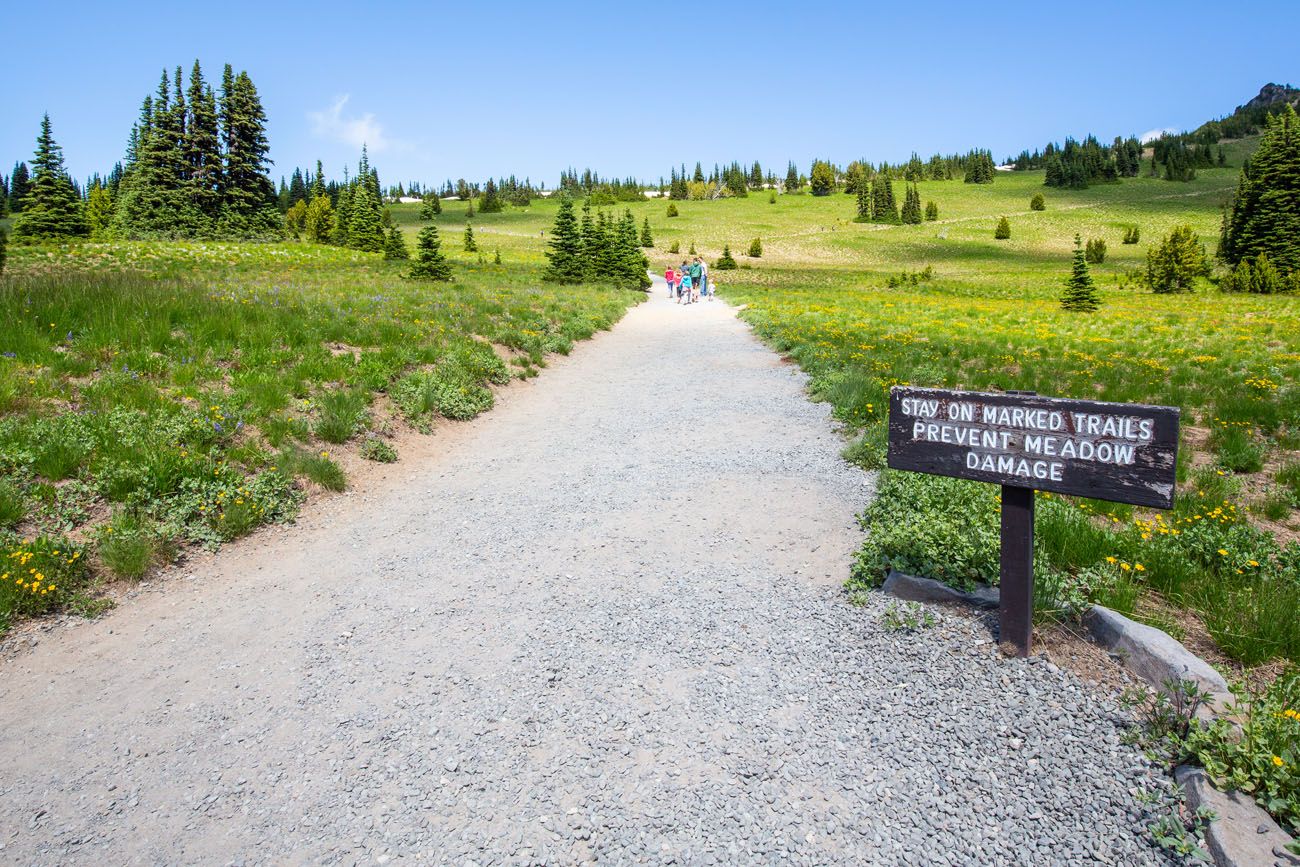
(445, 90)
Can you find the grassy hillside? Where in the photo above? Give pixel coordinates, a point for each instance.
(988, 317)
(153, 395)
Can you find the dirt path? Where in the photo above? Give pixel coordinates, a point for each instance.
(602, 623)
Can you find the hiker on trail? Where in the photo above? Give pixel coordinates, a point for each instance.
(685, 288)
(682, 271)
(696, 271)
(670, 276)
(704, 278)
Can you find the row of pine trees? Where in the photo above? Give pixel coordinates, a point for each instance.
(597, 249)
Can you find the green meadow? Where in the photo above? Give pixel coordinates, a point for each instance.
(157, 395)
(162, 394)
(863, 307)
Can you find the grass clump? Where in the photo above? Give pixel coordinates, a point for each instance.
(315, 466)
(13, 506)
(128, 546)
(342, 415)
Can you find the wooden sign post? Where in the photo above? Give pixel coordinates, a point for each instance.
(1127, 453)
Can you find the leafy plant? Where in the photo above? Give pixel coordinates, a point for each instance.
(908, 617)
(379, 451)
(1263, 761)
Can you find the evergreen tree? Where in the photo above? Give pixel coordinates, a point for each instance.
(1003, 231)
(297, 187)
(727, 262)
(394, 244)
(931, 212)
(99, 211)
(1095, 251)
(496, 258)
(431, 206)
(863, 204)
(202, 146)
(19, 187)
(491, 202)
(51, 208)
(318, 182)
(822, 178)
(756, 248)
(1037, 203)
(470, 245)
(884, 208)
(565, 253)
(699, 174)
(691, 251)
(1132, 235)
(1080, 293)
(318, 220)
(430, 263)
(343, 213)
(247, 208)
(1264, 217)
(672, 209)
(792, 179)
(365, 216)
(912, 206)
(632, 264)
(1175, 263)
(647, 240)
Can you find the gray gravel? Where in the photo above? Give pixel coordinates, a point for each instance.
(604, 625)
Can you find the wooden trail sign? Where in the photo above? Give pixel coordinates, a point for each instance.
(1127, 453)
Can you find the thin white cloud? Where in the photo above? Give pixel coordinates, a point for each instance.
(354, 130)
(1153, 134)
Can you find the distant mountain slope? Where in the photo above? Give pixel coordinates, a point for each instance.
(1248, 118)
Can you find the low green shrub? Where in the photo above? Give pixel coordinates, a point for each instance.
(1263, 760)
(379, 451)
(37, 575)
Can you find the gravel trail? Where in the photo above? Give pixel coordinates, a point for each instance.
(602, 624)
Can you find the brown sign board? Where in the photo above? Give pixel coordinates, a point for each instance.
(1126, 453)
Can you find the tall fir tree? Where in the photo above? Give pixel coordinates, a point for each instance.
(491, 202)
(912, 206)
(647, 239)
(863, 204)
(1264, 217)
(19, 186)
(202, 146)
(99, 211)
(1080, 292)
(248, 197)
(52, 208)
(471, 246)
(565, 248)
(884, 207)
(430, 263)
(632, 264)
(431, 206)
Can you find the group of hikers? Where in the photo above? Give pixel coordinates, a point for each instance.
(689, 282)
